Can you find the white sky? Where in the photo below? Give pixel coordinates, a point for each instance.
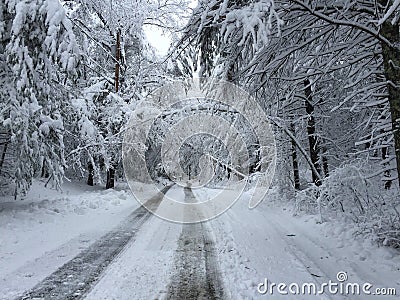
(159, 40)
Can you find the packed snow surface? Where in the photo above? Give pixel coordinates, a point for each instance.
(47, 229)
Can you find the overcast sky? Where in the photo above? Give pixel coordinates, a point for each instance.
(160, 40)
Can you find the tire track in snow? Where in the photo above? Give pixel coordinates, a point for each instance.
(76, 277)
(196, 275)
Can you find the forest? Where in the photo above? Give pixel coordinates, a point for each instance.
(325, 72)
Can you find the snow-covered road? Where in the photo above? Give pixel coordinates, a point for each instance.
(196, 273)
(229, 257)
(77, 276)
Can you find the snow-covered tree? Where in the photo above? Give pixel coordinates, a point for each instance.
(39, 57)
(323, 56)
(120, 69)
(327, 73)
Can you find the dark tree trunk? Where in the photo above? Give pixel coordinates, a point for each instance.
(391, 60)
(3, 156)
(110, 178)
(90, 175)
(312, 139)
(325, 165)
(295, 162)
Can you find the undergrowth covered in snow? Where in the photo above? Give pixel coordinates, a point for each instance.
(349, 196)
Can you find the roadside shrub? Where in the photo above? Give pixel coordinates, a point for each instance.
(349, 195)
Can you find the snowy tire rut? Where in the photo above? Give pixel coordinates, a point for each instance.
(196, 273)
(76, 277)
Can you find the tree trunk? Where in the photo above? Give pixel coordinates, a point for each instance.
(111, 170)
(110, 178)
(117, 57)
(391, 60)
(45, 171)
(294, 160)
(325, 165)
(90, 175)
(3, 156)
(312, 139)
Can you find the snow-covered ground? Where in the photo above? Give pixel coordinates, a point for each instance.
(48, 228)
(269, 243)
(42, 232)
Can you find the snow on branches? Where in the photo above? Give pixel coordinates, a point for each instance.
(39, 51)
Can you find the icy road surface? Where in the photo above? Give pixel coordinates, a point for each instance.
(228, 257)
